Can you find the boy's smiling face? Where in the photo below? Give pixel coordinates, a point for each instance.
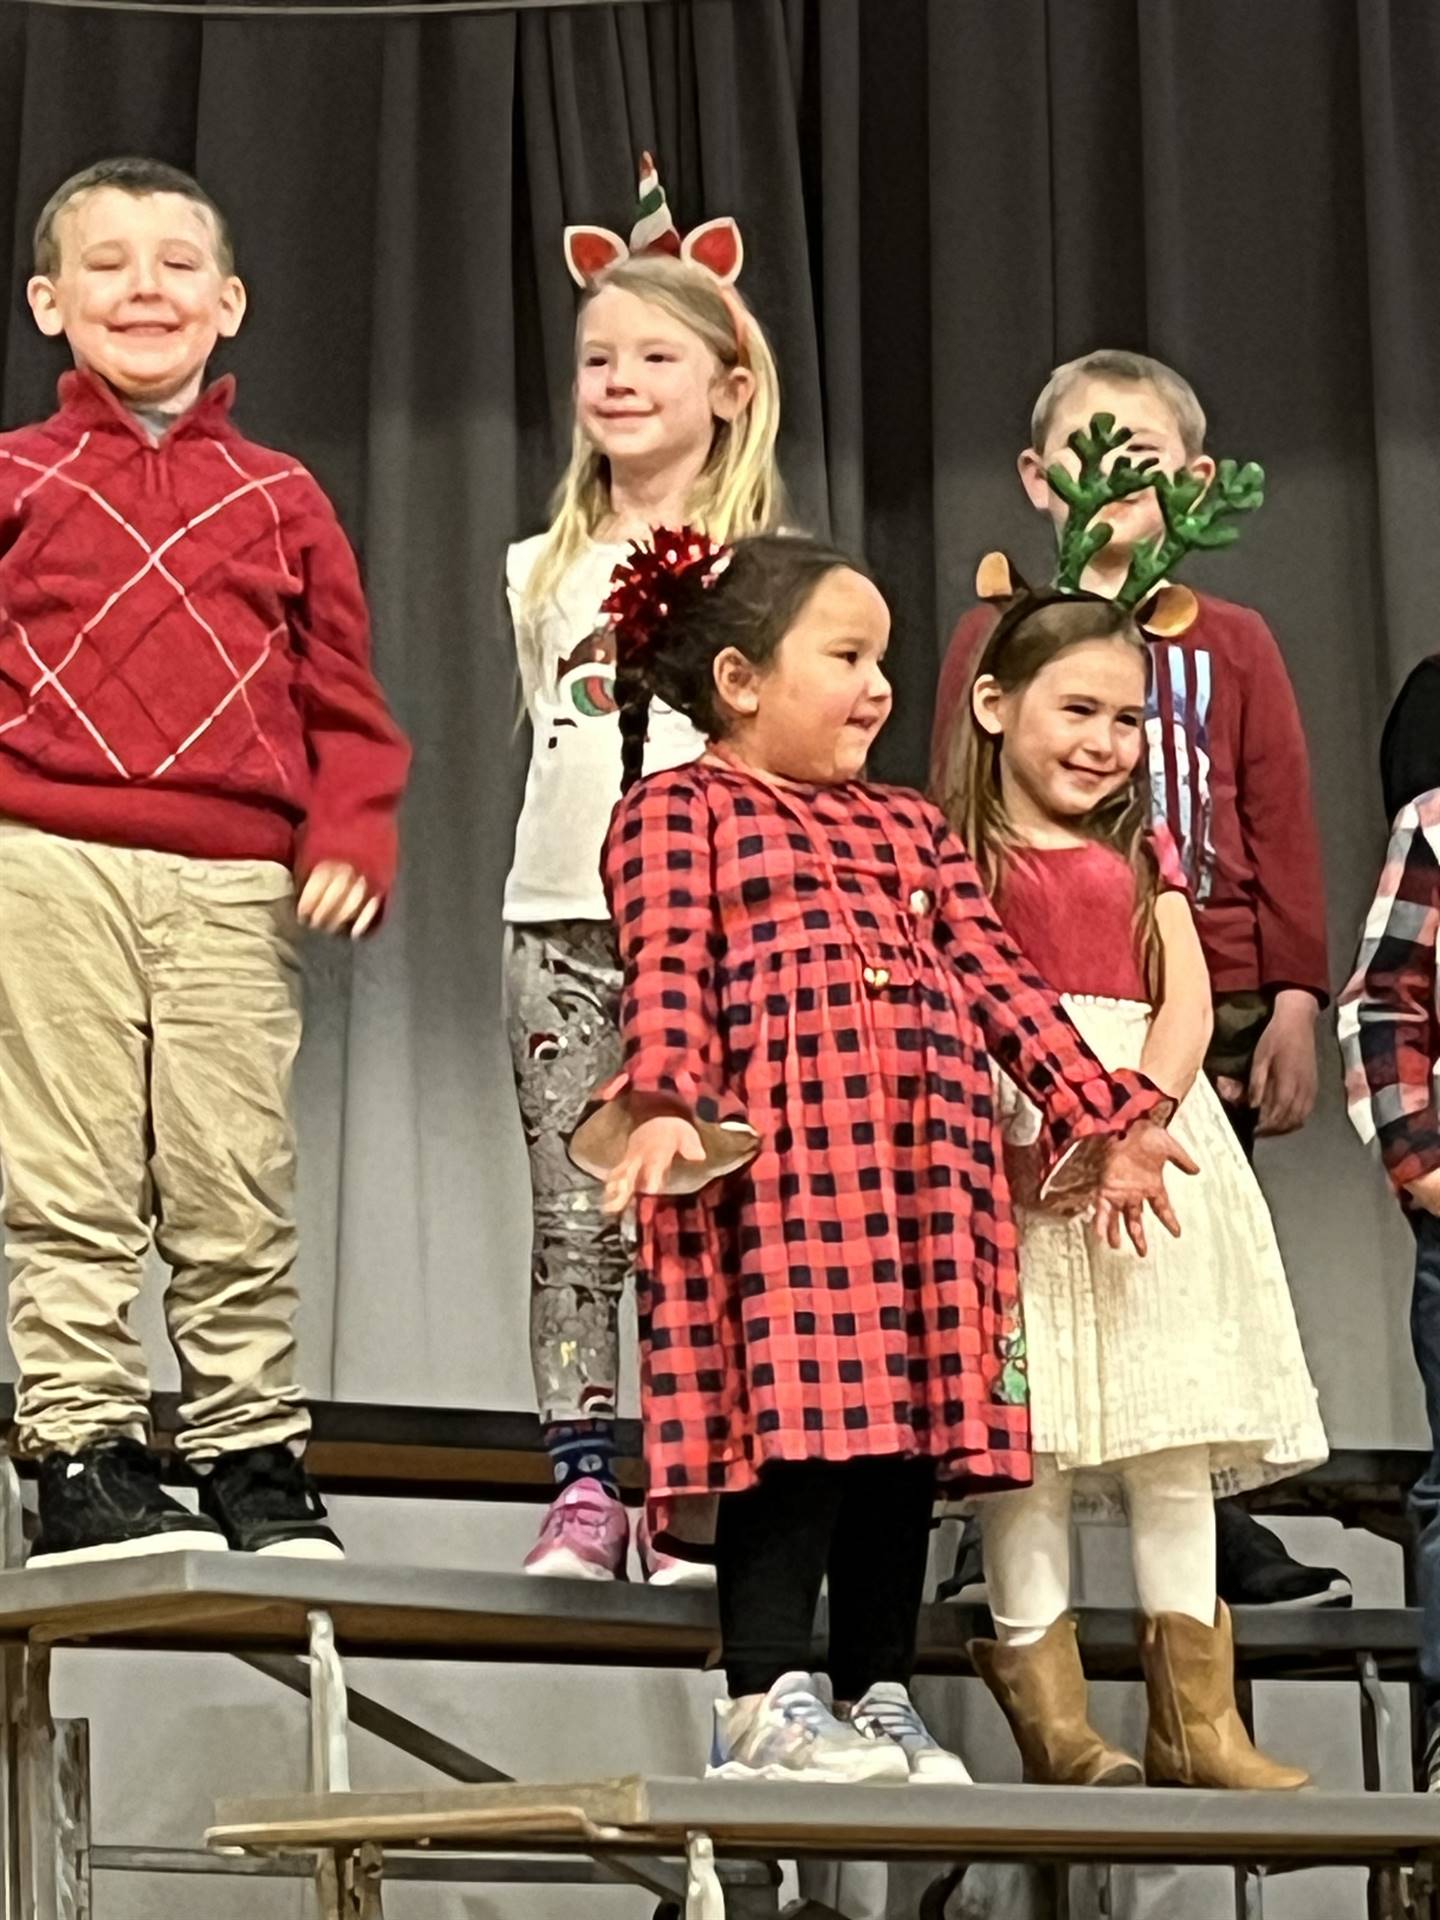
(140, 293)
(1155, 434)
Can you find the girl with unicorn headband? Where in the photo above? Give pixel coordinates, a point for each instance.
(677, 407)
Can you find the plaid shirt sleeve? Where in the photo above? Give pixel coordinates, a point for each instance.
(1388, 1023)
(1027, 1030)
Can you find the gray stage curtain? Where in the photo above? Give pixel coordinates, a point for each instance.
(940, 198)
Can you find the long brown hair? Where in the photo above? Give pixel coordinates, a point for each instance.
(1035, 629)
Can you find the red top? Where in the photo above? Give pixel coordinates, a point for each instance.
(1071, 911)
(1231, 779)
(184, 649)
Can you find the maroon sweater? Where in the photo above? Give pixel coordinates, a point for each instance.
(1231, 780)
(184, 649)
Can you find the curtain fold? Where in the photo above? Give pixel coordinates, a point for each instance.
(940, 198)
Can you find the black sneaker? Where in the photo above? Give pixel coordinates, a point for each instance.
(1429, 1781)
(1255, 1570)
(966, 1584)
(265, 1502)
(106, 1503)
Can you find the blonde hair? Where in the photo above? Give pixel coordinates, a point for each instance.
(1028, 637)
(738, 491)
(1129, 369)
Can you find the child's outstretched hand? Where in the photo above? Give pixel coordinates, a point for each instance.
(655, 1146)
(1134, 1175)
(1425, 1192)
(335, 897)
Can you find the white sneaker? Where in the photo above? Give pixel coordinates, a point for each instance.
(790, 1733)
(887, 1714)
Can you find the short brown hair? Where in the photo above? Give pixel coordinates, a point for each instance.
(1136, 369)
(134, 176)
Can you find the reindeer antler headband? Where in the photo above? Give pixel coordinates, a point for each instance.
(1195, 515)
(715, 245)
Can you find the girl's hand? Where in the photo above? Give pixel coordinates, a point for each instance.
(654, 1147)
(1134, 1174)
(1425, 1192)
(335, 897)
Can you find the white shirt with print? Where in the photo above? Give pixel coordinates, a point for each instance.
(574, 777)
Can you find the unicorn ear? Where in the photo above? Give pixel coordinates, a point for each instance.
(589, 250)
(717, 245)
(1168, 611)
(996, 579)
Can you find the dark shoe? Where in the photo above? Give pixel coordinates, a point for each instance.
(1429, 1781)
(1254, 1570)
(967, 1579)
(265, 1502)
(106, 1503)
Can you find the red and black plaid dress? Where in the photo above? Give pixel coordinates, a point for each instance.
(822, 964)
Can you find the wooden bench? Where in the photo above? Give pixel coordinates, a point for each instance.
(705, 1819)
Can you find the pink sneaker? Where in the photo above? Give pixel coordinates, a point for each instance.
(660, 1569)
(585, 1536)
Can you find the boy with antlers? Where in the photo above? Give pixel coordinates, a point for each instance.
(1230, 778)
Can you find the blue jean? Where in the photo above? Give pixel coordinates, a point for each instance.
(1425, 1496)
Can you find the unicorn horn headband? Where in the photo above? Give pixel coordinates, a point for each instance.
(715, 245)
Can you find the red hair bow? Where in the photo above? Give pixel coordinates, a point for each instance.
(642, 587)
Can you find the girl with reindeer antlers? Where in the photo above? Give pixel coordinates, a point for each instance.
(676, 411)
(1177, 1375)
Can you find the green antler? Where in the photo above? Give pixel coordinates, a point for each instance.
(1091, 490)
(1195, 516)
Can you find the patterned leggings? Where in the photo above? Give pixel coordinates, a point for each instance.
(562, 994)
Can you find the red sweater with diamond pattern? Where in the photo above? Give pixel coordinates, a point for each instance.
(184, 648)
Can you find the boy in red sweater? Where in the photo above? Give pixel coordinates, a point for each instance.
(190, 733)
(1231, 779)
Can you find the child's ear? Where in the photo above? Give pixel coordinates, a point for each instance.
(45, 305)
(731, 393)
(737, 681)
(1202, 466)
(233, 301)
(996, 579)
(1168, 611)
(986, 701)
(1031, 467)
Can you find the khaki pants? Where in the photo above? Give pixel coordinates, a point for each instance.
(149, 1020)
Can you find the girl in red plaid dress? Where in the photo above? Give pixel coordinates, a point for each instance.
(815, 987)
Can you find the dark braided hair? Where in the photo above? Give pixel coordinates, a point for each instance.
(750, 606)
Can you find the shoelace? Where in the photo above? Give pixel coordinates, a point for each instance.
(805, 1709)
(895, 1721)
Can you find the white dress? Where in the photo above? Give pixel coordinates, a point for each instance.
(1196, 1343)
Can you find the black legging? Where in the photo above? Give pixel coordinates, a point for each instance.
(865, 1523)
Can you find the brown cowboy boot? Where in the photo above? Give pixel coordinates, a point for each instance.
(1041, 1691)
(1197, 1738)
